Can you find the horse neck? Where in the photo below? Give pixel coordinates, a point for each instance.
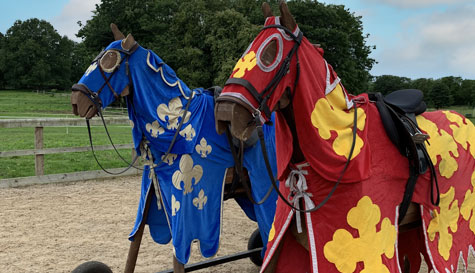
(288, 114)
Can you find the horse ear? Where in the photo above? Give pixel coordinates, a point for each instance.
(128, 42)
(286, 18)
(266, 10)
(117, 34)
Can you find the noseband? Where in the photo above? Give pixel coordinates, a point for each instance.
(263, 96)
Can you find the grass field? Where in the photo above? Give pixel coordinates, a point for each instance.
(28, 104)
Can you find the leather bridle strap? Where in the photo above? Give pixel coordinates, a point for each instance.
(263, 97)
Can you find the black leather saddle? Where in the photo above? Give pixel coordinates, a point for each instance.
(398, 111)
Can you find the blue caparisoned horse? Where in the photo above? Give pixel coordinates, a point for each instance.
(173, 127)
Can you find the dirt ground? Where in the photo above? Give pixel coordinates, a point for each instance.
(56, 227)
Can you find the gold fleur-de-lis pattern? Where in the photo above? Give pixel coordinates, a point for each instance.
(200, 201)
(170, 159)
(154, 129)
(172, 113)
(443, 221)
(345, 251)
(175, 205)
(188, 133)
(467, 210)
(187, 174)
(203, 148)
(244, 64)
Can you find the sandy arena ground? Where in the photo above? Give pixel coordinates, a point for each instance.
(56, 227)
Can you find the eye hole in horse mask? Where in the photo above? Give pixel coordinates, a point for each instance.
(110, 60)
(269, 53)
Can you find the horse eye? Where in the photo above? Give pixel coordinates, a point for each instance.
(269, 53)
(110, 60)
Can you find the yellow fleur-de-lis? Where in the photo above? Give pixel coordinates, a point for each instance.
(339, 120)
(203, 148)
(172, 113)
(201, 200)
(244, 64)
(187, 174)
(444, 220)
(468, 206)
(345, 251)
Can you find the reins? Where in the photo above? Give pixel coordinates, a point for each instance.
(263, 97)
(94, 98)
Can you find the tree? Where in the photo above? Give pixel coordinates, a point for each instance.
(440, 95)
(2, 61)
(389, 83)
(423, 84)
(467, 91)
(454, 84)
(200, 40)
(37, 55)
(340, 34)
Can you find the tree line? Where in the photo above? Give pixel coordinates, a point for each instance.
(200, 39)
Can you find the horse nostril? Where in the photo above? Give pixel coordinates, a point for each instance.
(75, 109)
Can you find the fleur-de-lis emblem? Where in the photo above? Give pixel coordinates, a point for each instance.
(170, 159)
(154, 129)
(445, 221)
(203, 148)
(175, 205)
(345, 251)
(200, 201)
(188, 133)
(172, 113)
(244, 64)
(91, 68)
(187, 174)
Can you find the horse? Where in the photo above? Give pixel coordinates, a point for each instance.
(185, 159)
(345, 186)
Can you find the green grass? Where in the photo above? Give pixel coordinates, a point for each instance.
(28, 104)
(31, 104)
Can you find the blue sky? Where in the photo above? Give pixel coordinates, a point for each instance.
(413, 38)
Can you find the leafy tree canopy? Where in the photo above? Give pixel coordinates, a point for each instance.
(36, 56)
(202, 39)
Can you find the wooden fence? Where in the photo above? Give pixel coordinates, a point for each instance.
(39, 151)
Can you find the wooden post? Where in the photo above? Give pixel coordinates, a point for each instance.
(177, 266)
(135, 244)
(39, 158)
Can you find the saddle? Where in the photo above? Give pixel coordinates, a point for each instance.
(398, 111)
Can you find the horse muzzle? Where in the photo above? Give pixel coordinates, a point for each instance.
(83, 103)
(237, 117)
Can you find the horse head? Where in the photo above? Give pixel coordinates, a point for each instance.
(266, 77)
(107, 78)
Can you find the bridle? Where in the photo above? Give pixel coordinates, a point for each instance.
(94, 98)
(262, 98)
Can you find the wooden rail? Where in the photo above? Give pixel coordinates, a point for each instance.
(40, 151)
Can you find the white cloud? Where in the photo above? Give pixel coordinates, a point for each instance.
(417, 3)
(74, 11)
(438, 44)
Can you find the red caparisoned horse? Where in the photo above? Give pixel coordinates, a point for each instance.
(343, 181)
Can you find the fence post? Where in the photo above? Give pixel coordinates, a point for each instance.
(39, 158)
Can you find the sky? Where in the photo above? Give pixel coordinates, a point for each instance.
(413, 38)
